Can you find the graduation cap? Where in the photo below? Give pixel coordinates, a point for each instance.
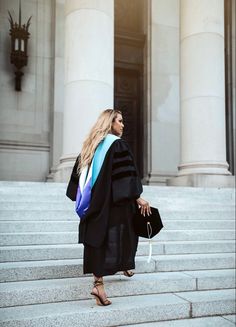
(147, 226)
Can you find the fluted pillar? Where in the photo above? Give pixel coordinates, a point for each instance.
(202, 93)
(89, 73)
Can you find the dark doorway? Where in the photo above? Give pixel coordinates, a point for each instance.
(128, 100)
(129, 52)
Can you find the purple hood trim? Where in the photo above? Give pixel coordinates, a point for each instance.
(83, 199)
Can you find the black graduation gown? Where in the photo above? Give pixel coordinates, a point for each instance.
(107, 230)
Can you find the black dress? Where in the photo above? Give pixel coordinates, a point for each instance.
(107, 232)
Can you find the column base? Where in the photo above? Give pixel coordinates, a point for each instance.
(160, 179)
(203, 180)
(64, 169)
(50, 176)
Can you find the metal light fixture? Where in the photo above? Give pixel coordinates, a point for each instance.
(19, 39)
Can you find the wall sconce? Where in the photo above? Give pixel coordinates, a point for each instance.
(19, 38)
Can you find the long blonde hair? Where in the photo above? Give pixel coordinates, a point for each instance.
(97, 133)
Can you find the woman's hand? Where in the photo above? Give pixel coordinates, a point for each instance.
(145, 207)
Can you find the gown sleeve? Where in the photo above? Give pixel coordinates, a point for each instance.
(126, 183)
(73, 183)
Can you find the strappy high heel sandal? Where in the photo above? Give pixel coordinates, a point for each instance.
(98, 298)
(128, 273)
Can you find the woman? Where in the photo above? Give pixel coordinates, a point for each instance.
(107, 188)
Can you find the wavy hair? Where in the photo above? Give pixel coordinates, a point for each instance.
(97, 133)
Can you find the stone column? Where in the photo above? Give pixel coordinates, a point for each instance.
(163, 90)
(89, 73)
(202, 93)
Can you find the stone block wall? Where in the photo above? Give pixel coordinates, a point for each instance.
(25, 116)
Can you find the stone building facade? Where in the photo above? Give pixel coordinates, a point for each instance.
(169, 65)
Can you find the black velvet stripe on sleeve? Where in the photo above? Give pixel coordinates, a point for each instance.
(126, 184)
(124, 174)
(123, 168)
(121, 154)
(123, 163)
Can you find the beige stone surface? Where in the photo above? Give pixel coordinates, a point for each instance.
(164, 90)
(25, 115)
(202, 88)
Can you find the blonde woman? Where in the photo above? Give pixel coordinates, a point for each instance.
(106, 187)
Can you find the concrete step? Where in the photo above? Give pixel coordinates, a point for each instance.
(190, 192)
(72, 226)
(162, 205)
(178, 224)
(214, 321)
(183, 206)
(75, 251)
(73, 289)
(185, 247)
(197, 215)
(36, 205)
(6, 201)
(36, 238)
(47, 226)
(185, 197)
(124, 310)
(194, 261)
(206, 303)
(23, 184)
(60, 196)
(85, 313)
(38, 215)
(42, 252)
(51, 269)
(196, 235)
(48, 189)
(231, 318)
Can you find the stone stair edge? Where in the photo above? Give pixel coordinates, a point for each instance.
(155, 258)
(51, 269)
(72, 237)
(72, 232)
(33, 292)
(119, 277)
(132, 309)
(29, 183)
(226, 194)
(29, 257)
(8, 247)
(216, 321)
(63, 251)
(59, 206)
(24, 226)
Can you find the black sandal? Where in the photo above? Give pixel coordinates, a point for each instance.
(128, 273)
(98, 298)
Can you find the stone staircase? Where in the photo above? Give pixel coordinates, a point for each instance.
(189, 282)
